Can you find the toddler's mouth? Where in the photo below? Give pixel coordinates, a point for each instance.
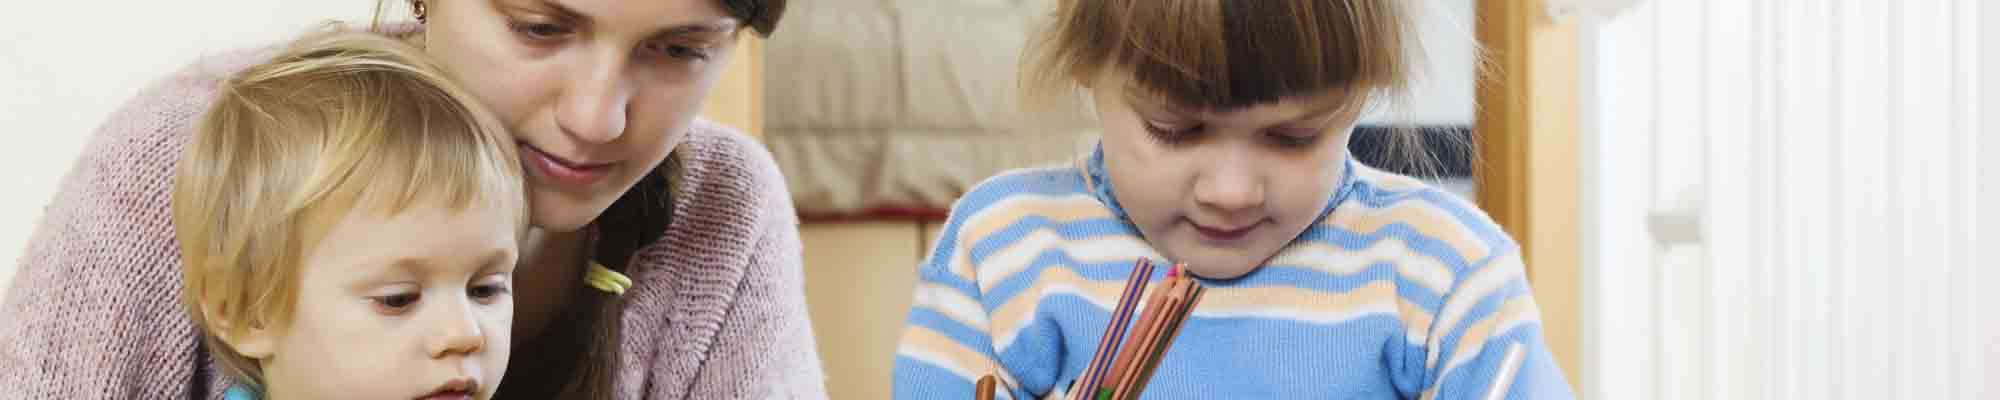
(456, 389)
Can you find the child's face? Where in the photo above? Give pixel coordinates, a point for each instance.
(399, 307)
(1221, 191)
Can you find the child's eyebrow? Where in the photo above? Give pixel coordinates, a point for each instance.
(415, 265)
(369, 272)
(1141, 95)
(408, 264)
(1318, 116)
(1323, 109)
(494, 258)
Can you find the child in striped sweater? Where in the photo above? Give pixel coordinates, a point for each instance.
(1225, 134)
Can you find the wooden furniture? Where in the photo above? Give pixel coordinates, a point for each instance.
(1526, 130)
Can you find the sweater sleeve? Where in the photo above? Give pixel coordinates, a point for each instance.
(946, 344)
(951, 336)
(763, 347)
(1489, 311)
(94, 310)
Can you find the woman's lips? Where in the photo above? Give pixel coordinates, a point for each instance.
(562, 172)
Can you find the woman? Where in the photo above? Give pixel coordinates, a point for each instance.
(601, 96)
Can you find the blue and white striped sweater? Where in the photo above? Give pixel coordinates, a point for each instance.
(1026, 269)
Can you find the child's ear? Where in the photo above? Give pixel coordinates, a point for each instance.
(255, 340)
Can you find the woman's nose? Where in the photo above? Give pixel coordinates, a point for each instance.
(592, 107)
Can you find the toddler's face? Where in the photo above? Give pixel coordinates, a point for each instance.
(417, 305)
(1221, 191)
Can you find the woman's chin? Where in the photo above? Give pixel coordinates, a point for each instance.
(562, 226)
(561, 215)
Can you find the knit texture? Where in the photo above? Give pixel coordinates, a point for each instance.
(1399, 290)
(717, 311)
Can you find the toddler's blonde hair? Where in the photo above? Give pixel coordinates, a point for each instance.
(338, 120)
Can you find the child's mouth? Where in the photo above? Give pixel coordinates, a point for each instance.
(449, 396)
(456, 389)
(1224, 234)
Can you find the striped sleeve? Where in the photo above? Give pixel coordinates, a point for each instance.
(1490, 310)
(947, 344)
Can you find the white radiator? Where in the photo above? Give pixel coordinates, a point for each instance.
(1785, 194)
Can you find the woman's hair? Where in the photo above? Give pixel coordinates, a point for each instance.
(337, 121)
(1228, 54)
(761, 16)
(581, 344)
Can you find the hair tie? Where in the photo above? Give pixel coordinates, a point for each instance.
(597, 276)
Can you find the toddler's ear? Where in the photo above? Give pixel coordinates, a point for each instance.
(255, 340)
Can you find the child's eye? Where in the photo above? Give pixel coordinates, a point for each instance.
(1293, 140)
(487, 292)
(1172, 135)
(395, 304)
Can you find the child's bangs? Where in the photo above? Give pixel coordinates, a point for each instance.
(1222, 54)
(389, 139)
(432, 149)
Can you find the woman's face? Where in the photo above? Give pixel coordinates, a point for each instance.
(596, 92)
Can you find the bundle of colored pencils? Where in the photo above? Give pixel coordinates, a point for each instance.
(1125, 361)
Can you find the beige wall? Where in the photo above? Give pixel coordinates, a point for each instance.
(859, 279)
(54, 93)
(738, 99)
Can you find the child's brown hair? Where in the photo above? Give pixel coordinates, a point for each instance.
(1229, 54)
(336, 121)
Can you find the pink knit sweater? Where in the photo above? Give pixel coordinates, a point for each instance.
(717, 312)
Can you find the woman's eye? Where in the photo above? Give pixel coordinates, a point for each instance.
(679, 51)
(539, 31)
(396, 303)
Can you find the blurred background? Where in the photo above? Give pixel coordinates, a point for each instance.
(1718, 199)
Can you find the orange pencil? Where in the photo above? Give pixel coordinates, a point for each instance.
(1149, 319)
(1167, 341)
(1146, 345)
(984, 390)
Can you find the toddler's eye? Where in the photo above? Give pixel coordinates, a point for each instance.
(488, 292)
(395, 304)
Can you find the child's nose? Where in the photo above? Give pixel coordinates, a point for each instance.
(456, 332)
(1230, 185)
